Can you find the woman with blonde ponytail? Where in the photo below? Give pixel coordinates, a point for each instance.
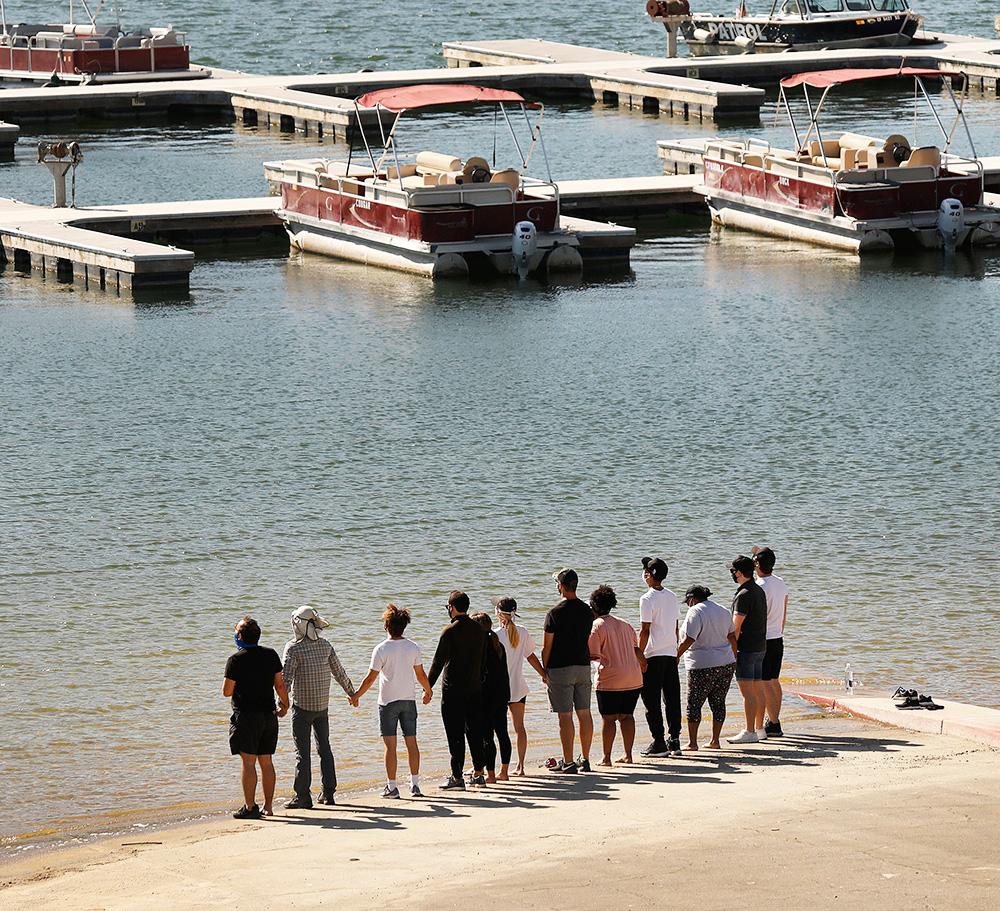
(520, 647)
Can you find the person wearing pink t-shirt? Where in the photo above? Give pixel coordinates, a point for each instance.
(614, 648)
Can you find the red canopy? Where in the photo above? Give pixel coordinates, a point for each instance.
(824, 78)
(422, 96)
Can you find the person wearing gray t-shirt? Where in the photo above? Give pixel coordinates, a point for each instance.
(708, 643)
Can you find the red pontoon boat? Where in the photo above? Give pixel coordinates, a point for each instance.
(434, 213)
(852, 190)
(90, 52)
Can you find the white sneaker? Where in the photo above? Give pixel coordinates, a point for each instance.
(743, 737)
(761, 734)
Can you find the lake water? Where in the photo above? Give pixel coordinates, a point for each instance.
(295, 430)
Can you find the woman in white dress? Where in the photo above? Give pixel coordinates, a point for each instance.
(519, 645)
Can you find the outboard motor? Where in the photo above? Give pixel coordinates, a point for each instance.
(950, 222)
(523, 248)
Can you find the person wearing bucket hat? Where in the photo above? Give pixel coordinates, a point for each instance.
(520, 647)
(309, 662)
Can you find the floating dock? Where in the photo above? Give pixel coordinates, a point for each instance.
(691, 88)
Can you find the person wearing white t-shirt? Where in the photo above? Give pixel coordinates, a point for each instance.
(394, 663)
(660, 616)
(777, 611)
(520, 647)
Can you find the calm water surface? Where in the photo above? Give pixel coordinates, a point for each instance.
(295, 430)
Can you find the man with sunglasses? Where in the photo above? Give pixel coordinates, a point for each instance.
(750, 618)
(460, 660)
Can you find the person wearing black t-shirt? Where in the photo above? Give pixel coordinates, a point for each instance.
(253, 674)
(566, 658)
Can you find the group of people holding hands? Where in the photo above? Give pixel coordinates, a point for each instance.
(482, 673)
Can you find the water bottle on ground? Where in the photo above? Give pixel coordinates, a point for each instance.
(849, 680)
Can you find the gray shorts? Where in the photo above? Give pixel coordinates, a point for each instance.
(749, 665)
(401, 713)
(569, 688)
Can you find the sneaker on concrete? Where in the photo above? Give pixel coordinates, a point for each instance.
(451, 783)
(478, 781)
(246, 812)
(773, 728)
(327, 799)
(656, 750)
(392, 793)
(674, 746)
(415, 791)
(761, 733)
(299, 803)
(583, 764)
(743, 737)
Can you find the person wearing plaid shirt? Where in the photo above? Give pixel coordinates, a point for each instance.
(309, 662)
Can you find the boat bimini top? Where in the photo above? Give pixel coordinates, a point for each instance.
(826, 79)
(413, 97)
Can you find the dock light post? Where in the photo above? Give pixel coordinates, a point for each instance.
(64, 156)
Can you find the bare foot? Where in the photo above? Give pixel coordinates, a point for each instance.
(518, 773)
(606, 761)
(713, 745)
(691, 747)
(625, 760)
(267, 811)
(503, 776)
(491, 778)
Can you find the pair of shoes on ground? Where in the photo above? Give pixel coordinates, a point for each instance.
(773, 728)
(914, 701)
(393, 793)
(246, 812)
(744, 737)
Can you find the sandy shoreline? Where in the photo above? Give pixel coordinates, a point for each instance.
(840, 813)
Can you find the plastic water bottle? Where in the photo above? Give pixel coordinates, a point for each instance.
(849, 680)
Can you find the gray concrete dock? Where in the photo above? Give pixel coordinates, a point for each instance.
(105, 247)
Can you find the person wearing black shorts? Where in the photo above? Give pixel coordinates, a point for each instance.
(253, 675)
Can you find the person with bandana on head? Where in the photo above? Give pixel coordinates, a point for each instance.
(253, 675)
(309, 662)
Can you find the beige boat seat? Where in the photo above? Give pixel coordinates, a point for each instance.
(509, 176)
(406, 170)
(436, 162)
(753, 161)
(857, 141)
(924, 155)
(831, 148)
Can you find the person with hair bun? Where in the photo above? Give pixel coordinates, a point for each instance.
(520, 647)
(614, 646)
(394, 662)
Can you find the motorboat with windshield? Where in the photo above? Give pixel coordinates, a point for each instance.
(853, 190)
(434, 213)
(796, 25)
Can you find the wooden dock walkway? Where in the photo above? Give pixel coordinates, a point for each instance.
(693, 88)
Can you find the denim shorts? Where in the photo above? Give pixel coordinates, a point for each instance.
(569, 688)
(403, 712)
(749, 665)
